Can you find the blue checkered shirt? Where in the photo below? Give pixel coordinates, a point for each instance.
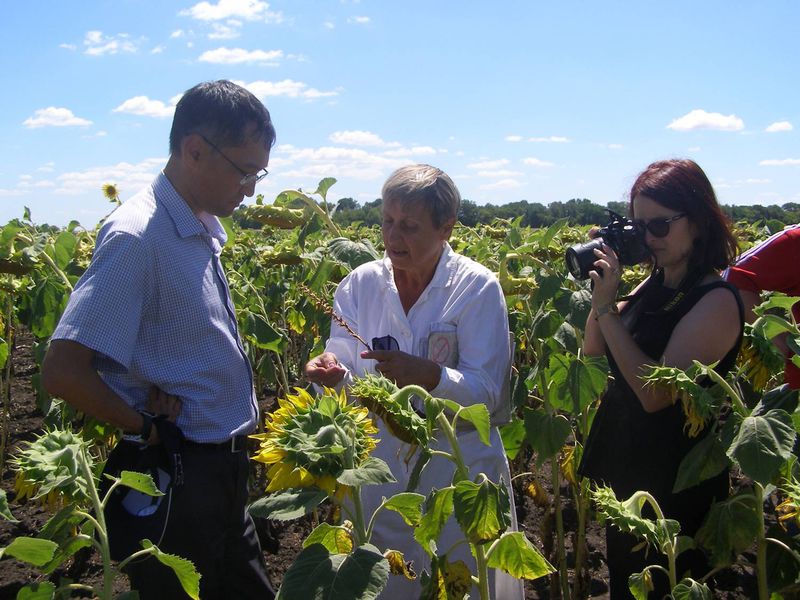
(155, 307)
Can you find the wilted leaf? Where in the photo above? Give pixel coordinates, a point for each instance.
(438, 508)
(514, 554)
(184, 570)
(336, 539)
(408, 505)
(482, 510)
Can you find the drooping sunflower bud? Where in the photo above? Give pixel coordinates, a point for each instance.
(276, 216)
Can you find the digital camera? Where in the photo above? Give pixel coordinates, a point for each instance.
(621, 235)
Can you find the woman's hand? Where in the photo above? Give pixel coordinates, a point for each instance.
(605, 287)
(405, 369)
(325, 370)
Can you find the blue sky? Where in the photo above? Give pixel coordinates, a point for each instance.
(541, 101)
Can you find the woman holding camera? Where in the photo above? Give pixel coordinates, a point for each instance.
(681, 313)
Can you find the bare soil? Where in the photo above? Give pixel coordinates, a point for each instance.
(281, 541)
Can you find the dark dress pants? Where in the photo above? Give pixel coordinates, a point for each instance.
(210, 526)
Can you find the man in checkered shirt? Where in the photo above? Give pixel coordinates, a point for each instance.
(151, 324)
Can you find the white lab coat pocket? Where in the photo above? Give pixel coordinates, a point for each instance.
(443, 345)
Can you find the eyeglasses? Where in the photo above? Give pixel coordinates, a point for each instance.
(247, 178)
(658, 227)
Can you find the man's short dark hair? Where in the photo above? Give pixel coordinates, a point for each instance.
(223, 112)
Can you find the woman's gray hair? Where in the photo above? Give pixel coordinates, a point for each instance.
(426, 185)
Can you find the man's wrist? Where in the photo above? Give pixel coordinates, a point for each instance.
(145, 430)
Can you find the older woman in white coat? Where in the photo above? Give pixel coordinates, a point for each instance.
(438, 320)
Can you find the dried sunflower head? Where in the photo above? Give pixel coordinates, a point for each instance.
(311, 440)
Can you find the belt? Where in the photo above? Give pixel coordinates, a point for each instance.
(237, 443)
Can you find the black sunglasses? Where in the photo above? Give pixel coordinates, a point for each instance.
(658, 227)
(385, 343)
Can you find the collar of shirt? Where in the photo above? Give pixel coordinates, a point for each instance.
(186, 222)
(442, 277)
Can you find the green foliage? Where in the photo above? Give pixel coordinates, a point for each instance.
(482, 510)
(317, 574)
(514, 554)
(288, 504)
(763, 444)
(730, 528)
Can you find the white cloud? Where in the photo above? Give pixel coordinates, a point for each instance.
(54, 117)
(250, 10)
(7, 193)
(513, 138)
(176, 34)
(329, 25)
(232, 56)
(537, 162)
(499, 173)
(327, 161)
(779, 126)
(225, 32)
(553, 139)
(700, 119)
(287, 87)
(48, 167)
(145, 107)
(358, 20)
(356, 138)
(488, 164)
(754, 181)
(68, 46)
(157, 50)
(98, 44)
(786, 162)
(615, 146)
(503, 184)
(413, 151)
(694, 149)
(129, 178)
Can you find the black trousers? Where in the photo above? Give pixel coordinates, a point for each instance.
(210, 526)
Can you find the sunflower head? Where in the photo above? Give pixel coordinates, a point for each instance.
(311, 440)
(393, 406)
(48, 469)
(111, 193)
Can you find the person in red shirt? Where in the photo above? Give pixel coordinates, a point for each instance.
(772, 265)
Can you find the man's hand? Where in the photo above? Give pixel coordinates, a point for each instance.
(160, 402)
(405, 369)
(325, 370)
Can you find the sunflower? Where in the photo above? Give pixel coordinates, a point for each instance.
(311, 440)
(48, 469)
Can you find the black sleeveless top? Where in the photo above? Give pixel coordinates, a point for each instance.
(628, 448)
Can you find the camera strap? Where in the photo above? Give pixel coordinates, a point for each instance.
(691, 279)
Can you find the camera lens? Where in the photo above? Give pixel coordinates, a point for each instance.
(580, 258)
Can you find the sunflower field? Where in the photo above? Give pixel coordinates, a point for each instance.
(312, 454)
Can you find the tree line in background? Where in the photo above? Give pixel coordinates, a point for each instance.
(535, 214)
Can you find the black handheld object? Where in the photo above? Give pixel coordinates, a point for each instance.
(621, 235)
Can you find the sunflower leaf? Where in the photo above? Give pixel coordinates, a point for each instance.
(288, 505)
(320, 574)
(371, 472)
